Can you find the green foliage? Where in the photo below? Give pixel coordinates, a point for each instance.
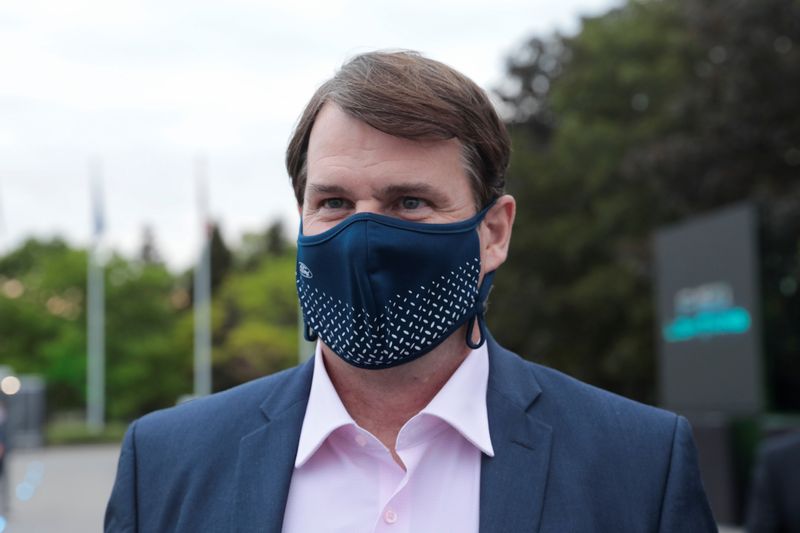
(653, 111)
(42, 286)
(221, 257)
(577, 276)
(255, 247)
(146, 368)
(255, 321)
(149, 324)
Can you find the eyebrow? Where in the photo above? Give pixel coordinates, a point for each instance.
(390, 191)
(411, 189)
(322, 188)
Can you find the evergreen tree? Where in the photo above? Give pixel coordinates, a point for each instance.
(654, 111)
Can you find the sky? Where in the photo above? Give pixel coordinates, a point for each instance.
(144, 93)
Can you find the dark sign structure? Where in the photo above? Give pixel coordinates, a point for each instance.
(708, 314)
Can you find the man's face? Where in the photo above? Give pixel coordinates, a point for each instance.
(354, 168)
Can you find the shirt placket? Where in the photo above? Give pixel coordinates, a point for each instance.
(396, 513)
(390, 508)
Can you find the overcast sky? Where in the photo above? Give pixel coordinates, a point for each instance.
(149, 86)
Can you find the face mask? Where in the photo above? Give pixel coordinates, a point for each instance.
(382, 291)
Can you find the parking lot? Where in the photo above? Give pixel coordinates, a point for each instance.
(59, 489)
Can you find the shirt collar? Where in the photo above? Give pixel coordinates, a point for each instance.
(461, 403)
(325, 412)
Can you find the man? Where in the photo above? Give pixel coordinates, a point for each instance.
(774, 506)
(410, 417)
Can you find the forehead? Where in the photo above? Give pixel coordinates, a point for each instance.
(342, 148)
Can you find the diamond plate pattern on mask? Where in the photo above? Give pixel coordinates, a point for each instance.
(408, 324)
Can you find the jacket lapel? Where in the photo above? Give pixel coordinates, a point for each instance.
(513, 482)
(266, 456)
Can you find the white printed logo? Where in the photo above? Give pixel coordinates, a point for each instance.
(305, 271)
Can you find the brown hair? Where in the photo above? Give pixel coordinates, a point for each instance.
(410, 96)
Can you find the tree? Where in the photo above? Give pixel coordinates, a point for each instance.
(255, 316)
(654, 111)
(256, 247)
(221, 257)
(148, 367)
(149, 321)
(577, 276)
(148, 253)
(42, 317)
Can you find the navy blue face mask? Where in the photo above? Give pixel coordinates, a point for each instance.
(382, 291)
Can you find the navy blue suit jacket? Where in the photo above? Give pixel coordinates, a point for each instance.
(568, 458)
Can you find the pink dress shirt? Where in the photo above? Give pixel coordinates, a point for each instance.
(345, 479)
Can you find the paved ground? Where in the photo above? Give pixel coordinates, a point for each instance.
(65, 490)
(60, 489)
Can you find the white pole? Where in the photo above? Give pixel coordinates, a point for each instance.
(202, 290)
(2, 223)
(95, 413)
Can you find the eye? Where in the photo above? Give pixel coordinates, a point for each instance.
(411, 203)
(333, 203)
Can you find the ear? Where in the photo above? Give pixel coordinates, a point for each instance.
(495, 233)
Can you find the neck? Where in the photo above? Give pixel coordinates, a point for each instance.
(382, 401)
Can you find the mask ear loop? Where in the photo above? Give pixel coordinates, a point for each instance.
(309, 334)
(480, 311)
(471, 329)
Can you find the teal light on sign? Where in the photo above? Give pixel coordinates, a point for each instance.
(706, 324)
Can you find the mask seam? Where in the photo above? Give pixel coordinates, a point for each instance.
(439, 228)
(370, 270)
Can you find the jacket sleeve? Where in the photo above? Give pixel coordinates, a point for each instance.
(121, 511)
(684, 507)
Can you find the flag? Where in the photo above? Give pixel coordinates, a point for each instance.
(96, 185)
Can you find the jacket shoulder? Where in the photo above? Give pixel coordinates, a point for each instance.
(179, 467)
(579, 412)
(234, 412)
(607, 455)
(585, 400)
(556, 392)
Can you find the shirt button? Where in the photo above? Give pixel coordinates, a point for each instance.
(361, 440)
(390, 517)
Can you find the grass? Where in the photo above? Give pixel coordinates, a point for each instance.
(68, 432)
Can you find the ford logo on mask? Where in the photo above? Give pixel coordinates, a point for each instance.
(305, 271)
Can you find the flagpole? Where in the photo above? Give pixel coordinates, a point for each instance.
(95, 412)
(202, 289)
(2, 223)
